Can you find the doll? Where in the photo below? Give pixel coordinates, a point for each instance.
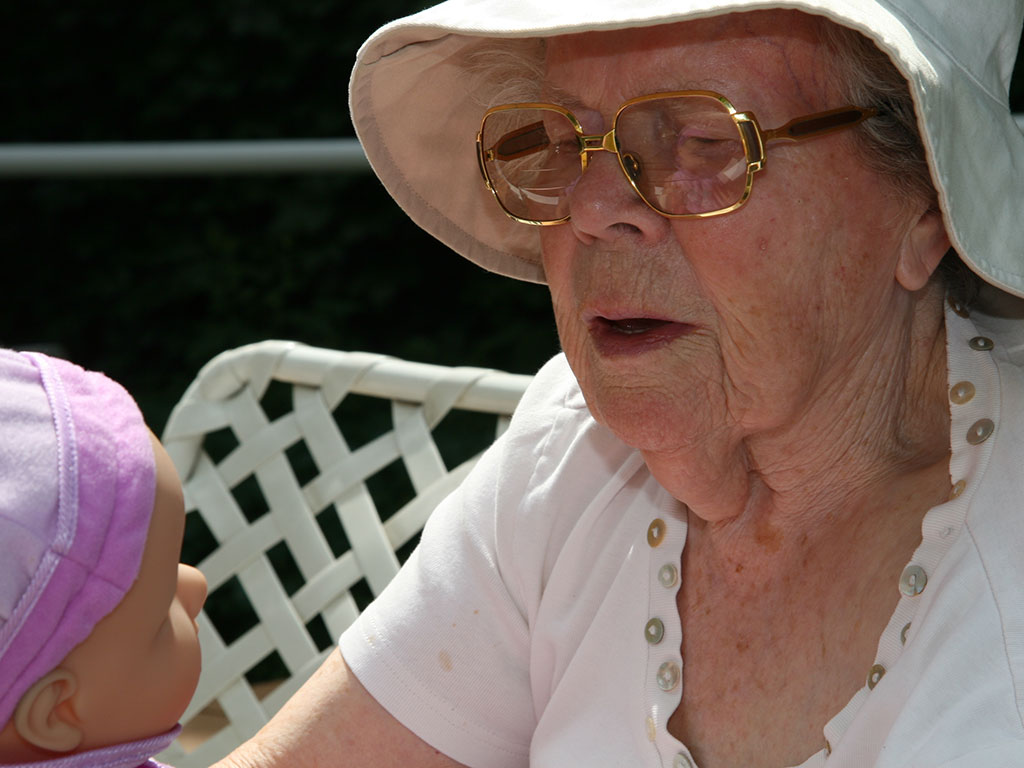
(99, 653)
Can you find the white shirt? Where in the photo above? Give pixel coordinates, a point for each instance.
(536, 623)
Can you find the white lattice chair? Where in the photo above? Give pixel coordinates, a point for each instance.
(287, 506)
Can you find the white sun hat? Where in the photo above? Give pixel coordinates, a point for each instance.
(417, 103)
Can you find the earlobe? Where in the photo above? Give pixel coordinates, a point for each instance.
(925, 245)
(43, 717)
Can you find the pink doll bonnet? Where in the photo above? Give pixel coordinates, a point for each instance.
(77, 484)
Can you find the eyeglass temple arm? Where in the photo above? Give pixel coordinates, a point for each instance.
(519, 143)
(819, 123)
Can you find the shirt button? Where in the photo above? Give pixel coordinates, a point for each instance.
(981, 343)
(903, 633)
(656, 532)
(876, 673)
(682, 760)
(961, 392)
(980, 431)
(668, 575)
(913, 580)
(957, 489)
(654, 631)
(668, 676)
(958, 307)
(652, 729)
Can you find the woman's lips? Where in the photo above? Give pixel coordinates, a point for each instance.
(633, 335)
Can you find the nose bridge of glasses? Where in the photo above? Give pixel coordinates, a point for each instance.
(597, 142)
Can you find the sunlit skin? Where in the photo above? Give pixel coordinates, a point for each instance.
(792, 306)
(135, 674)
(781, 368)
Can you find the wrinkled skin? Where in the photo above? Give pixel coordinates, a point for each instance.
(791, 317)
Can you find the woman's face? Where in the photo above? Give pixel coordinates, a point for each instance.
(695, 334)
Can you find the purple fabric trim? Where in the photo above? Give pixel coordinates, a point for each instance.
(67, 455)
(133, 754)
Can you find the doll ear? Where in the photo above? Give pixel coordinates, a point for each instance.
(41, 720)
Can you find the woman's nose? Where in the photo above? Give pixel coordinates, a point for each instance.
(603, 204)
(191, 589)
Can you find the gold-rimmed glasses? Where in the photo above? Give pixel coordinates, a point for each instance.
(688, 154)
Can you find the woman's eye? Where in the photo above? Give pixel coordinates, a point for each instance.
(705, 155)
(697, 144)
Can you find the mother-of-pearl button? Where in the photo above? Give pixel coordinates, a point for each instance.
(656, 532)
(958, 307)
(981, 343)
(913, 580)
(654, 631)
(980, 431)
(681, 760)
(957, 489)
(668, 575)
(875, 674)
(961, 392)
(668, 676)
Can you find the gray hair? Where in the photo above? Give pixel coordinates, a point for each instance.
(890, 143)
(505, 71)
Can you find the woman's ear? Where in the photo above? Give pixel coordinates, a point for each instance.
(43, 716)
(925, 245)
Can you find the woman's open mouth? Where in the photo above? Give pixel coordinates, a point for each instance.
(634, 335)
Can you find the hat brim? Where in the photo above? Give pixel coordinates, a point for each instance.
(416, 108)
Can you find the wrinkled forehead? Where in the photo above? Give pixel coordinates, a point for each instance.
(757, 52)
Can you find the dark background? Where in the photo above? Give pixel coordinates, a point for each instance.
(146, 279)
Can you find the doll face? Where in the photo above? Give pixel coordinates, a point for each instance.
(138, 669)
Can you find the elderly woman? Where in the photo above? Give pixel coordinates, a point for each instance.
(765, 508)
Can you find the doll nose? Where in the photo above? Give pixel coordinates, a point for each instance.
(191, 589)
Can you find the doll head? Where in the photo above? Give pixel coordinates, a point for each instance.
(97, 635)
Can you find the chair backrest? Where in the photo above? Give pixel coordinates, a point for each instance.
(299, 526)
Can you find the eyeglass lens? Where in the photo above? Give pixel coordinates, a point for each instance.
(683, 154)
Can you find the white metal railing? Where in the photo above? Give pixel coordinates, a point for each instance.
(191, 157)
(183, 158)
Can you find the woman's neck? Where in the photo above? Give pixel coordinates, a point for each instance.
(870, 435)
